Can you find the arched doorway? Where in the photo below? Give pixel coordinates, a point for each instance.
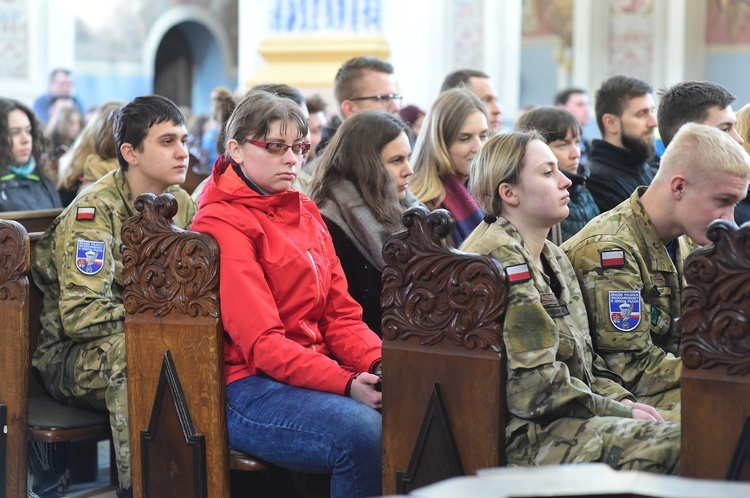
(189, 63)
(173, 71)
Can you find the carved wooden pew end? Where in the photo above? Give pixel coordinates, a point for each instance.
(443, 364)
(175, 349)
(715, 330)
(31, 413)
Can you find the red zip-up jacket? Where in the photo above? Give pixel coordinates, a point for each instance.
(284, 301)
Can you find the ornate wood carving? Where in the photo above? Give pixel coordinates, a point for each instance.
(14, 261)
(164, 267)
(433, 292)
(715, 322)
(172, 454)
(435, 456)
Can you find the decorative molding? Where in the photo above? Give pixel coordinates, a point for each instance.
(435, 438)
(434, 292)
(14, 261)
(170, 407)
(715, 323)
(164, 267)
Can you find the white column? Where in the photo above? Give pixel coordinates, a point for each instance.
(253, 28)
(415, 31)
(502, 52)
(590, 41)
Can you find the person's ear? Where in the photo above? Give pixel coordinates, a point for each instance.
(348, 108)
(678, 185)
(235, 151)
(508, 194)
(128, 153)
(611, 124)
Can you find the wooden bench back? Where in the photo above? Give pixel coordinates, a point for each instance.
(32, 221)
(179, 441)
(21, 390)
(443, 357)
(15, 363)
(715, 330)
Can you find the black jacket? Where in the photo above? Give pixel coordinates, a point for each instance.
(365, 281)
(615, 174)
(27, 194)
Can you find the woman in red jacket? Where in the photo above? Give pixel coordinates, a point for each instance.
(300, 363)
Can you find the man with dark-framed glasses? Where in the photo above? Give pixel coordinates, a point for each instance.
(361, 83)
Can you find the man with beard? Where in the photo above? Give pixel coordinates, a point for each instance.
(629, 261)
(625, 116)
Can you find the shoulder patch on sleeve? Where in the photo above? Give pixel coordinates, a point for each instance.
(89, 256)
(518, 274)
(625, 309)
(613, 258)
(85, 213)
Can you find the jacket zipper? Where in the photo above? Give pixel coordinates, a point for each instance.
(317, 279)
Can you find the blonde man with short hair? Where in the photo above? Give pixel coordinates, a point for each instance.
(629, 261)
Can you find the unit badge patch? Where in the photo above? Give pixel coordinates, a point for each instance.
(625, 309)
(89, 256)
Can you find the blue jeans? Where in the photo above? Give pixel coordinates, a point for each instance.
(308, 431)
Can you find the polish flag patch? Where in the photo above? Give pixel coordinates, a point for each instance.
(85, 213)
(613, 259)
(518, 274)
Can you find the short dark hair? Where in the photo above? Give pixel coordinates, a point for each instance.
(689, 102)
(553, 123)
(283, 90)
(614, 94)
(315, 103)
(138, 116)
(38, 141)
(349, 74)
(461, 78)
(562, 97)
(59, 70)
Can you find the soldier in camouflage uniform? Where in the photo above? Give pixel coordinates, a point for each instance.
(564, 407)
(629, 261)
(78, 266)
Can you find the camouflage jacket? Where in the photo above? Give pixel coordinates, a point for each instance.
(552, 369)
(632, 292)
(78, 266)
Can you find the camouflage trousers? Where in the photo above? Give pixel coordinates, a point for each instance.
(622, 443)
(93, 375)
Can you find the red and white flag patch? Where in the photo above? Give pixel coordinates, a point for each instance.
(85, 213)
(518, 274)
(613, 259)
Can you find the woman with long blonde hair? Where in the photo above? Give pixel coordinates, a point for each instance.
(453, 131)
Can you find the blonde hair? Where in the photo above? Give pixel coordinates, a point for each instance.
(442, 124)
(70, 168)
(743, 126)
(699, 149)
(498, 161)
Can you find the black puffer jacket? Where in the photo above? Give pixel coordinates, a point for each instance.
(582, 206)
(615, 174)
(27, 194)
